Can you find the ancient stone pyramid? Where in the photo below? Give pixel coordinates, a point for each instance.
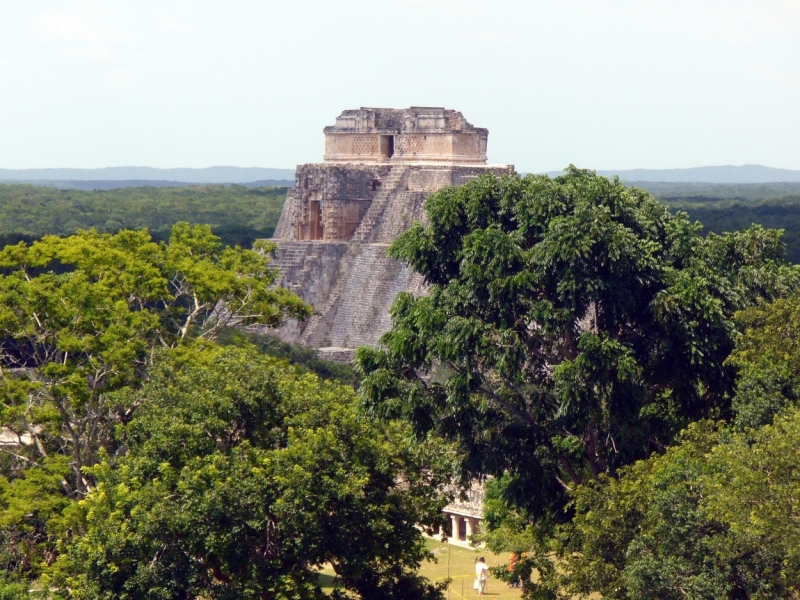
(380, 165)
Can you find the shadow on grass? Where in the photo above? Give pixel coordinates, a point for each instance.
(327, 581)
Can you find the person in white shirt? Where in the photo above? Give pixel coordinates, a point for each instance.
(481, 576)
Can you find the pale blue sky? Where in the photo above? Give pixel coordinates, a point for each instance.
(602, 84)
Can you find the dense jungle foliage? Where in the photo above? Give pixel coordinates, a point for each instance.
(733, 215)
(732, 207)
(149, 453)
(240, 215)
(616, 373)
(237, 214)
(626, 386)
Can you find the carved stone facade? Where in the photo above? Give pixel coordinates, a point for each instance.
(328, 202)
(364, 203)
(416, 134)
(342, 214)
(464, 514)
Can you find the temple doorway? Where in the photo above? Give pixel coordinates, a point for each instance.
(387, 146)
(315, 228)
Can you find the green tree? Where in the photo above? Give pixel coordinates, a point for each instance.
(242, 478)
(767, 357)
(81, 317)
(681, 524)
(33, 510)
(301, 357)
(572, 326)
(754, 487)
(713, 517)
(237, 214)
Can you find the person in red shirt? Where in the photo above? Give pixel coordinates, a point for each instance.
(512, 563)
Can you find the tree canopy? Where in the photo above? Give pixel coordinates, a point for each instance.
(710, 518)
(82, 317)
(714, 516)
(242, 478)
(625, 387)
(572, 326)
(767, 358)
(239, 215)
(151, 462)
(732, 215)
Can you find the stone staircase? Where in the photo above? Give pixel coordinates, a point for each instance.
(399, 215)
(356, 309)
(291, 260)
(288, 257)
(308, 267)
(327, 274)
(396, 181)
(315, 330)
(362, 318)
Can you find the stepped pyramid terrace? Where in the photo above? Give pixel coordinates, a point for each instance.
(379, 167)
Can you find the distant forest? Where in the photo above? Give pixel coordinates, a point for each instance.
(240, 215)
(724, 207)
(237, 214)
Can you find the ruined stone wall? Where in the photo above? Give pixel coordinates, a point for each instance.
(309, 269)
(449, 147)
(329, 201)
(381, 164)
(346, 274)
(412, 135)
(471, 504)
(429, 178)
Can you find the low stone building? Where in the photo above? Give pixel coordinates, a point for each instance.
(465, 514)
(380, 165)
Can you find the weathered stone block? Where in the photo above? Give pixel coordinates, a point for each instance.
(341, 216)
(419, 134)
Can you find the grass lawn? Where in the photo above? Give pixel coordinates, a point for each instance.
(460, 564)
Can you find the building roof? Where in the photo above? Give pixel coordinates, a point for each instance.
(420, 119)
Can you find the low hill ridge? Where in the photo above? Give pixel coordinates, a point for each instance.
(711, 174)
(205, 175)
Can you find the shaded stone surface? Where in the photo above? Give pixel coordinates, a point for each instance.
(416, 134)
(341, 216)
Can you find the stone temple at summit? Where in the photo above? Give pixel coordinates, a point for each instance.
(380, 165)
